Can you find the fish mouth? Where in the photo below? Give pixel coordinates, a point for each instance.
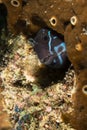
(47, 60)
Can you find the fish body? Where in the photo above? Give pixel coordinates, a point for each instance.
(50, 48)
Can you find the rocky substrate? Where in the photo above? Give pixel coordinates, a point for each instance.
(35, 96)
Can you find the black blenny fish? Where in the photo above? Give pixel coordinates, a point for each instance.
(51, 49)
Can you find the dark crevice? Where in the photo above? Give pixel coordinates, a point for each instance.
(38, 21)
(3, 16)
(24, 2)
(3, 35)
(66, 24)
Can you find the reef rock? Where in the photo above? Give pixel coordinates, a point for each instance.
(4, 119)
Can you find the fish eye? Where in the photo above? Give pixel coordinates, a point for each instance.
(84, 89)
(15, 3)
(53, 21)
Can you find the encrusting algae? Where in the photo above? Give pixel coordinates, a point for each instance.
(28, 105)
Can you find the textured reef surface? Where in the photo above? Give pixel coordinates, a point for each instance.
(68, 18)
(34, 95)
